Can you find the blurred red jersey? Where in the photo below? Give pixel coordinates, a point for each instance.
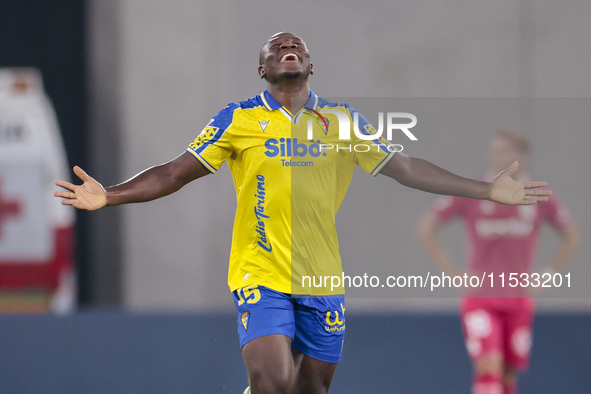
(501, 238)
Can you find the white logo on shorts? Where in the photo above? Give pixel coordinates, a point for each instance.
(478, 324)
(521, 341)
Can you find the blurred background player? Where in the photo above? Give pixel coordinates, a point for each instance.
(36, 245)
(497, 321)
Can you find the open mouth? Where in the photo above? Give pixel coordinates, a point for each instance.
(289, 57)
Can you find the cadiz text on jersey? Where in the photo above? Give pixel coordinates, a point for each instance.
(259, 212)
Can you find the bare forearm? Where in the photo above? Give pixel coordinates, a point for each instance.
(157, 181)
(153, 183)
(423, 175)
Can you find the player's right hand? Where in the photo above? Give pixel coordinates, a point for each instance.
(91, 195)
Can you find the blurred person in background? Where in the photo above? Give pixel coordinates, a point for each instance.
(497, 321)
(37, 272)
(291, 343)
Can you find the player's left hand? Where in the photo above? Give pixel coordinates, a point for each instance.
(505, 190)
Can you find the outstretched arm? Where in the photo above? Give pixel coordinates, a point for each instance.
(153, 183)
(423, 175)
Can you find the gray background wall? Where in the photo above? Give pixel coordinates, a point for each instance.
(179, 62)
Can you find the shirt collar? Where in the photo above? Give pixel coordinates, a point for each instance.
(271, 104)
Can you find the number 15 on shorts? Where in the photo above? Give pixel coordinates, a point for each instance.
(249, 294)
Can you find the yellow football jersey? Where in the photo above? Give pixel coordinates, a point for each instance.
(288, 187)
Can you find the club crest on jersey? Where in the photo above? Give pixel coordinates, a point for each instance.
(244, 318)
(327, 123)
(320, 120)
(264, 124)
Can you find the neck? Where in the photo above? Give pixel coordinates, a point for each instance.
(283, 92)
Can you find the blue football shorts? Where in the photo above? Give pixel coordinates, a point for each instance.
(316, 325)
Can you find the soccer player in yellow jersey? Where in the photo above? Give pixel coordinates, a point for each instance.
(289, 189)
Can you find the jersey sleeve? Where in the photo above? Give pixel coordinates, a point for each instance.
(446, 208)
(556, 212)
(370, 155)
(213, 145)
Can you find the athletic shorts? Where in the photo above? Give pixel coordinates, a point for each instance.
(498, 326)
(316, 325)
